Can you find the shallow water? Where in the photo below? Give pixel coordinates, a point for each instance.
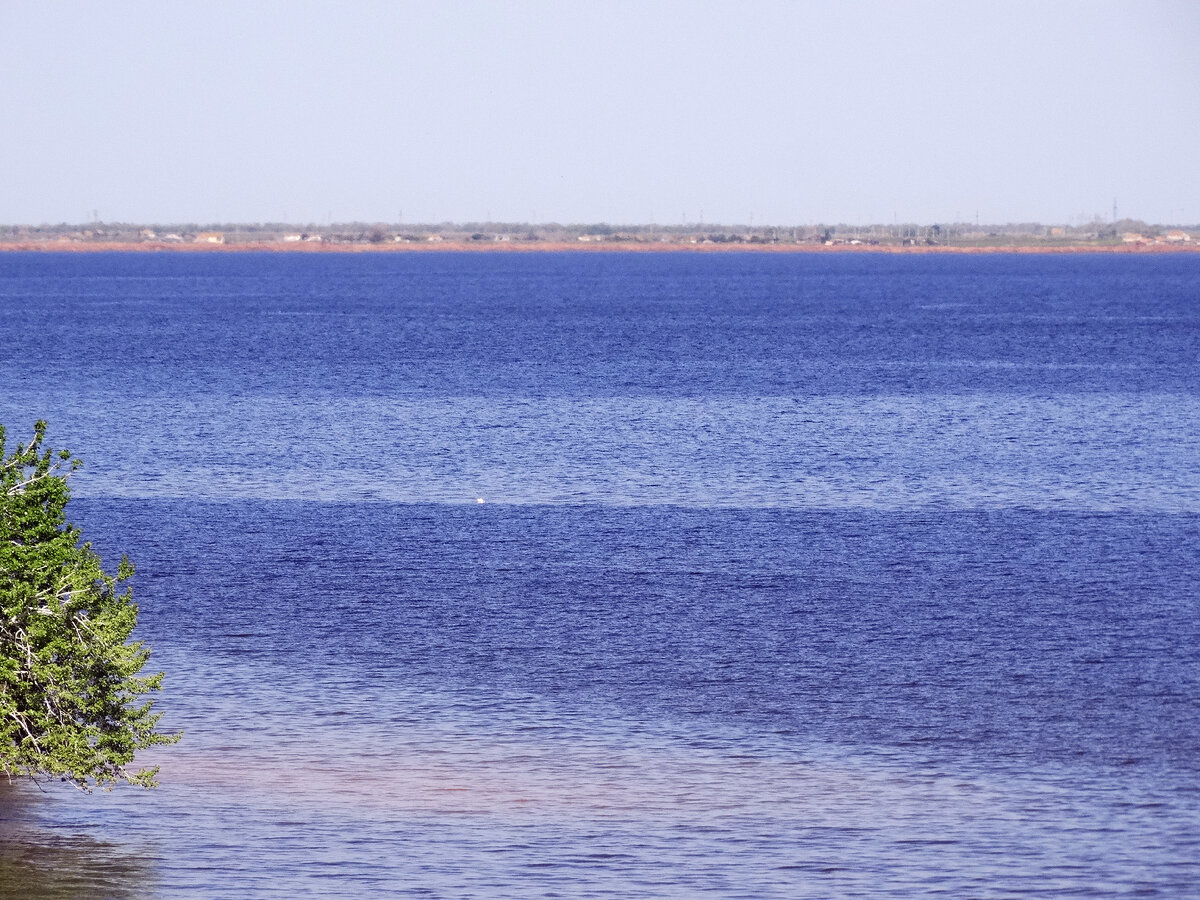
(795, 576)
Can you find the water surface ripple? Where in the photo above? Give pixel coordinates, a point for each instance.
(795, 576)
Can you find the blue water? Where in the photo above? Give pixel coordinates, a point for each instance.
(796, 576)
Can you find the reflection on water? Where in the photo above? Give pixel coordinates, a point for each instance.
(65, 861)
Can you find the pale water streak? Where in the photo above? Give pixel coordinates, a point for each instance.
(1076, 452)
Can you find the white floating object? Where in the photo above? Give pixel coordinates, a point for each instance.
(479, 500)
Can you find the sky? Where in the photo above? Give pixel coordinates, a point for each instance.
(655, 111)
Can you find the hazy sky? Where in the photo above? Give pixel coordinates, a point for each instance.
(607, 110)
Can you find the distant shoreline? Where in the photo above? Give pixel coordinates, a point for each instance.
(63, 246)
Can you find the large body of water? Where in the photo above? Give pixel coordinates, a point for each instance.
(797, 576)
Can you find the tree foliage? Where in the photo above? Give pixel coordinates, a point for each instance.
(72, 705)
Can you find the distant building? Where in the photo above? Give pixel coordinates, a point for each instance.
(1131, 237)
(292, 238)
(1175, 236)
(172, 238)
(209, 237)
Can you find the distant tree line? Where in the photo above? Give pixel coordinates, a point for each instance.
(939, 233)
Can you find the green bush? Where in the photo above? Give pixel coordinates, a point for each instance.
(72, 705)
